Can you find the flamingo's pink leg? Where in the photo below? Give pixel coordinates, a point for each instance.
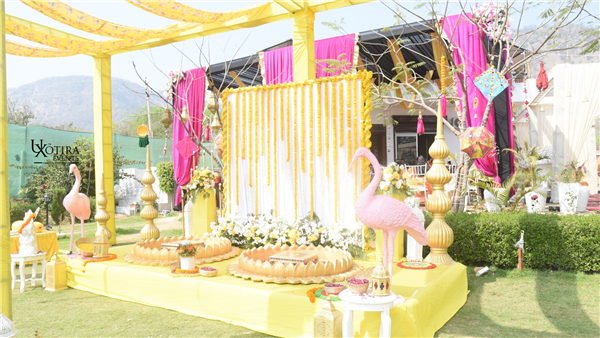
(385, 253)
(82, 231)
(72, 232)
(392, 240)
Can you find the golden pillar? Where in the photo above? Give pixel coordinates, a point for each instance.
(148, 196)
(304, 45)
(439, 234)
(5, 290)
(103, 135)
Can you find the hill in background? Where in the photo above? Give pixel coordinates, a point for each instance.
(61, 100)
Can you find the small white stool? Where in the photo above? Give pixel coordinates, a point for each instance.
(21, 259)
(365, 302)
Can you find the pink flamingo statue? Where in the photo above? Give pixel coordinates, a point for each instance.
(385, 213)
(77, 204)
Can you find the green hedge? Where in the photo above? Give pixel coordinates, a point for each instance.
(18, 210)
(569, 243)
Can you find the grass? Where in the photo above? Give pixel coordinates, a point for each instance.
(509, 303)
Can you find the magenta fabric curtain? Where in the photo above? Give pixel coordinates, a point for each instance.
(190, 93)
(279, 63)
(466, 37)
(333, 48)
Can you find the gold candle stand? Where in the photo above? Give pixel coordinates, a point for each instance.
(439, 234)
(102, 216)
(148, 196)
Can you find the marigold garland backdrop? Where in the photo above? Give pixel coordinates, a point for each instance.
(278, 157)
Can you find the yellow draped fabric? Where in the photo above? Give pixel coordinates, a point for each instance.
(178, 11)
(72, 17)
(46, 242)
(19, 49)
(80, 46)
(432, 296)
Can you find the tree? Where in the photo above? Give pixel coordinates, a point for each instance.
(166, 178)
(57, 210)
(19, 113)
(129, 125)
(420, 92)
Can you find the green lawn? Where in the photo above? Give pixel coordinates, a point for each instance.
(507, 304)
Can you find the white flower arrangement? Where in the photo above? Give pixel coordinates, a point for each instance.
(395, 178)
(256, 231)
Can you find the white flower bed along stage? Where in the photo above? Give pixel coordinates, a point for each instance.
(250, 231)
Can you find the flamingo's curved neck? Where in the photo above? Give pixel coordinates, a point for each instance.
(366, 195)
(75, 188)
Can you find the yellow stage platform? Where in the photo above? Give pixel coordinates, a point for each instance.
(432, 297)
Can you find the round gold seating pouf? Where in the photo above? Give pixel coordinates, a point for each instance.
(330, 265)
(150, 252)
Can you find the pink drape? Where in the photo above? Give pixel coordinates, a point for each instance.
(279, 63)
(333, 48)
(466, 37)
(190, 93)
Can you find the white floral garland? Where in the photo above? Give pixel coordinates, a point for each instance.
(174, 78)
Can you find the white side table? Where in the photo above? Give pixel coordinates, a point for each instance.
(21, 259)
(366, 302)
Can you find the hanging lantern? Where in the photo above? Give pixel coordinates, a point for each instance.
(185, 115)
(167, 118)
(56, 274)
(216, 125)
(542, 80)
(476, 142)
(143, 136)
(420, 125)
(380, 281)
(328, 321)
(207, 133)
(212, 103)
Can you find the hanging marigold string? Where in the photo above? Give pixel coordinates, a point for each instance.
(334, 114)
(250, 124)
(295, 155)
(366, 125)
(341, 107)
(288, 108)
(275, 145)
(355, 113)
(239, 119)
(319, 131)
(256, 146)
(327, 106)
(243, 114)
(311, 128)
(349, 118)
(281, 108)
(302, 129)
(268, 138)
(227, 149)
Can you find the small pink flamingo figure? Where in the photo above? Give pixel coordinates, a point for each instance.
(385, 213)
(77, 204)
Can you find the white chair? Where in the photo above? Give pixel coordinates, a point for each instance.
(417, 170)
(451, 168)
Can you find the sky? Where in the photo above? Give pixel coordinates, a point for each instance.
(154, 63)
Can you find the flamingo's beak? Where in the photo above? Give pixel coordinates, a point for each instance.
(352, 163)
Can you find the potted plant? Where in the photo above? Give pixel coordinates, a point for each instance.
(570, 189)
(187, 256)
(530, 177)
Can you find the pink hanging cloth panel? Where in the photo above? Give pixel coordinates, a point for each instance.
(466, 37)
(279, 63)
(190, 93)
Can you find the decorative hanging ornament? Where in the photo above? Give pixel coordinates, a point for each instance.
(185, 115)
(186, 147)
(420, 125)
(477, 142)
(167, 118)
(216, 125)
(207, 133)
(491, 83)
(142, 132)
(443, 82)
(542, 80)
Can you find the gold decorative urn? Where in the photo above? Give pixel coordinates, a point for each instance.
(328, 321)
(56, 274)
(381, 281)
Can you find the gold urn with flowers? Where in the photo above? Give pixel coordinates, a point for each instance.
(381, 281)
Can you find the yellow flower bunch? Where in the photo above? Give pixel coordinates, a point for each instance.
(203, 180)
(395, 179)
